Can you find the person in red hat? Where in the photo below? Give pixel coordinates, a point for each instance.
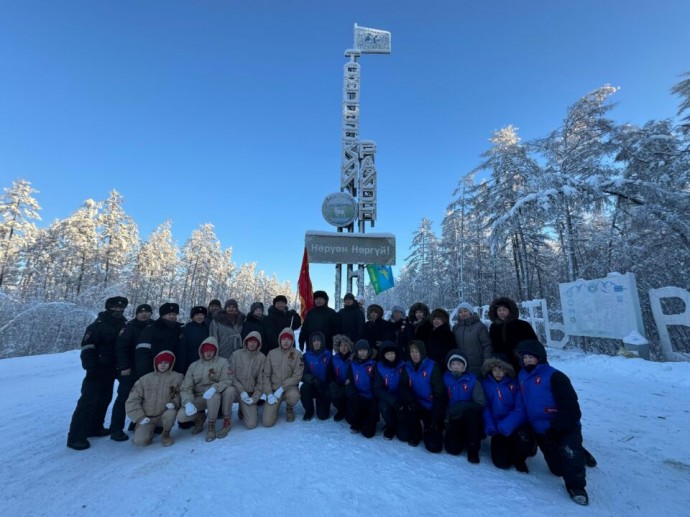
(154, 401)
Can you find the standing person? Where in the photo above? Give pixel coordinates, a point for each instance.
(401, 329)
(418, 315)
(211, 310)
(376, 329)
(387, 377)
(351, 318)
(164, 334)
(226, 327)
(502, 391)
(363, 413)
(283, 371)
(341, 364)
(154, 400)
(257, 322)
(246, 373)
(193, 334)
(321, 318)
(207, 386)
(127, 375)
(472, 338)
(424, 394)
(280, 316)
(507, 330)
(316, 378)
(441, 339)
(549, 403)
(98, 359)
(466, 401)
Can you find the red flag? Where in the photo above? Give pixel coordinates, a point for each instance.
(306, 294)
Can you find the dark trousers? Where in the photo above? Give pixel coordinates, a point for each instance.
(125, 384)
(421, 424)
(310, 395)
(393, 418)
(565, 457)
(338, 398)
(507, 451)
(363, 415)
(464, 433)
(96, 394)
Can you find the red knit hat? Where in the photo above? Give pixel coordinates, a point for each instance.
(166, 356)
(287, 335)
(208, 347)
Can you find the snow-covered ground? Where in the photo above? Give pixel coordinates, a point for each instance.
(636, 422)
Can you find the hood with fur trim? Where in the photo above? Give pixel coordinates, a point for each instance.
(503, 301)
(488, 365)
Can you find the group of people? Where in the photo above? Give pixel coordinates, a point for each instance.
(446, 387)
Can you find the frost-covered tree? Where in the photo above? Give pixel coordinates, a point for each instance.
(119, 237)
(18, 208)
(424, 264)
(202, 258)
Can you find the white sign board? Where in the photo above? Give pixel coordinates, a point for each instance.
(605, 307)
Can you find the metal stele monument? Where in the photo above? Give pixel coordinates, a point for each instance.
(355, 205)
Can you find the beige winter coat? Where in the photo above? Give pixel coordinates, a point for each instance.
(247, 368)
(152, 392)
(203, 374)
(283, 367)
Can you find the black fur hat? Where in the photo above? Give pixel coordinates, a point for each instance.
(167, 308)
(116, 302)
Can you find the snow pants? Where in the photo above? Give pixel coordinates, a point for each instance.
(96, 394)
(424, 424)
(507, 451)
(311, 394)
(290, 396)
(565, 457)
(394, 420)
(124, 386)
(218, 402)
(338, 397)
(464, 433)
(143, 434)
(363, 415)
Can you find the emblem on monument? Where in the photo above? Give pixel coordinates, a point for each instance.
(339, 209)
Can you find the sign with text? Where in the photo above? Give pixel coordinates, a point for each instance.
(350, 248)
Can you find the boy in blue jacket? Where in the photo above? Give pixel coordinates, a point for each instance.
(362, 409)
(316, 378)
(549, 403)
(465, 405)
(387, 389)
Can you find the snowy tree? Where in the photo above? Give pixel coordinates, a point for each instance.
(17, 209)
(202, 258)
(424, 264)
(119, 237)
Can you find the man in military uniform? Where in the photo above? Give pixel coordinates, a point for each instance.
(127, 374)
(98, 359)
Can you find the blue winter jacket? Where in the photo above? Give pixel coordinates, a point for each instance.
(317, 363)
(362, 377)
(459, 389)
(501, 398)
(340, 367)
(420, 381)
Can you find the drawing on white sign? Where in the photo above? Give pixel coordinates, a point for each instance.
(605, 307)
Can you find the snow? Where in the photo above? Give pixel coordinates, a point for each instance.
(636, 416)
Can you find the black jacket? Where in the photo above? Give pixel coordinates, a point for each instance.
(322, 319)
(127, 343)
(161, 335)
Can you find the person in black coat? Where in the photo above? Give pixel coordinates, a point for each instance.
(164, 334)
(257, 322)
(280, 317)
(401, 330)
(125, 347)
(418, 316)
(507, 330)
(441, 339)
(376, 329)
(193, 334)
(351, 318)
(321, 318)
(98, 359)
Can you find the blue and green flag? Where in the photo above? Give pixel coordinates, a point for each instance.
(381, 277)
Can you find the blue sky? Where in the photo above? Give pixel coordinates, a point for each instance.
(229, 112)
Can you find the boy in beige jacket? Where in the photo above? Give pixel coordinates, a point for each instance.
(282, 374)
(247, 370)
(207, 386)
(154, 399)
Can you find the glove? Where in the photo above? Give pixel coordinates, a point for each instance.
(144, 421)
(272, 399)
(189, 409)
(279, 392)
(263, 396)
(170, 405)
(246, 398)
(209, 393)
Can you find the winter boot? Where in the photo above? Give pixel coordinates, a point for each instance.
(389, 433)
(166, 439)
(338, 416)
(199, 423)
(211, 432)
(99, 433)
(590, 460)
(473, 456)
(78, 445)
(290, 414)
(521, 466)
(579, 495)
(227, 425)
(119, 436)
